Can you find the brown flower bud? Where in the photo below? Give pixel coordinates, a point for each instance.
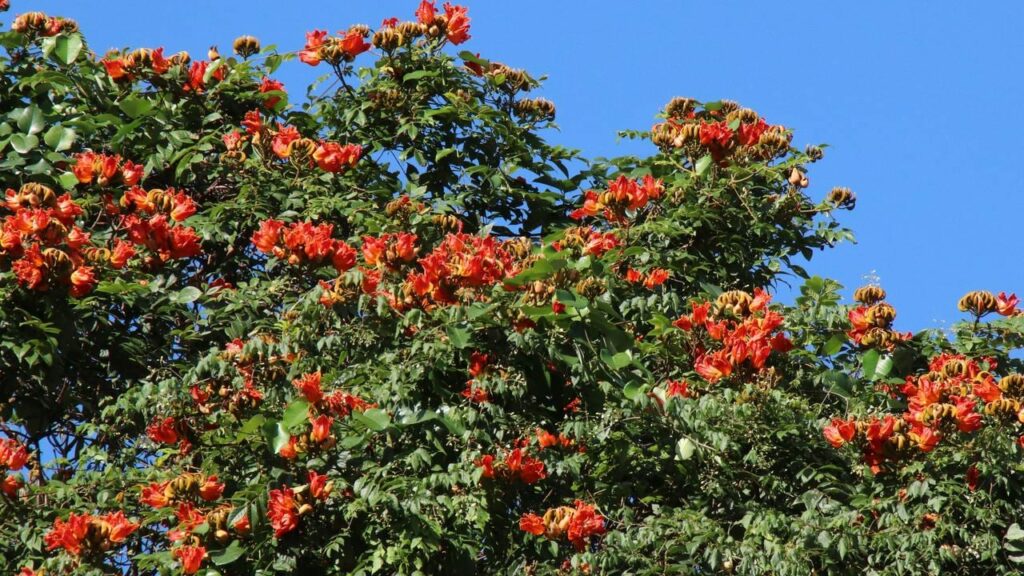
(246, 46)
(869, 294)
(978, 302)
(842, 198)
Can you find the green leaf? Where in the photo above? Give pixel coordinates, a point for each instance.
(685, 449)
(868, 362)
(186, 295)
(442, 153)
(67, 48)
(228, 555)
(68, 180)
(458, 337)
(632, 391)
(419, 74)
(834, 344)
(59, 138)
(276, 436)
(30, 120)
(702, 165)
(296, 414)
(135, 106)
(616, 361)
(375, 419)
(24, 143)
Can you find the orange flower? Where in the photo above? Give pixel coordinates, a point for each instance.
(266, 238)
(532, 523)
(319, 486)
(285, 136)
(270, 85)
(1006, 305)
(321, 428)
(155, 495)
(191, 558)
(282, 511)
(584, 524)
(457, 29)
(310, 54)
(211, 489)
(713, 367)
(163, 431)
(309, 386)
(333, 157)
(426, 13)
(840, 431)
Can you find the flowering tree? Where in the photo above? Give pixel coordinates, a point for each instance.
(391, 330)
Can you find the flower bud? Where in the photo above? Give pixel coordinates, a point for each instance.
(246, 46)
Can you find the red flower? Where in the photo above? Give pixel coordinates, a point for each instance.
(309, 386)
(252, 122)
(159, 63)
(10, 486)
(155, 495)
(282, 511)
(677, 388)
(478, 363)
(656, 277)
(266, 238)
(528, 469)
(319, 487)
(584, 524)
(486, 462)
(475, 394)
(713, 367)
(285, 136)
(925, 438)
(972, 478)
(163, 431)
(68, 534)
(310, 54)
(211, 489)
(191, 557)
(333, 157)
(321, 428)
(13, 454)
(557, 307)
(426, 13)
(840, 431)
(196, 77)
(457, 29)
(532, 523)
(353, 44)
(270, 85)
(1007, 305)
(116, 69)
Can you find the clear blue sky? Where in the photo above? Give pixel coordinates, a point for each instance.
(917, 99)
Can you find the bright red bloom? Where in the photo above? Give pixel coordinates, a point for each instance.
(13, 454)
(972, 478)
(656, 277)
(1006, 305)
(321, 428)
(270, 85)
(478, 363)
(211, 489)
(528, 469)
(532, 523)
(155, 495)
(457, 29)
(197, 77)
(584, 524)
(714, 366)
(475, 394)
(926, 438)
(426, 13)
(266, 238)
(750, 134)
(285, 136)
(557, 307)
(333, 157)
(677, 388)
(319, 487)
(252, 122)
(159, 64)
(68, 534)
(191, 558)
(353, 44)
(163, 431)
(840, 431)
(131, 173)
(309, 386)
(10, 486)
(283, 511)
(116, 69)
(486, 462)
(310, 54)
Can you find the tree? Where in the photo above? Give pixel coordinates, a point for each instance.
(390, 329)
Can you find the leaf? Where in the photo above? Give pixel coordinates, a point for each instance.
(418, 74)
(30, 119)
(834, 344)
(685, 449)
(135, 106)
(59, 138)
(702, 165)
(868, 363)
(442, 153)
(632, 391)
(276, 436)
(616, 361)
(67, 48)
(228, 555)
(186, 295)
(375, 419)
(295, 414)
(458, 337)
(24, 143)
(68, 180)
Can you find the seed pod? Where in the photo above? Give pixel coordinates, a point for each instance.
(841, 197)
(521, 247)
(772, 144)
(57, 261)
(814, 153)
(798, 179)
(246, 46)
(978, 302)
(869, 295)
(954, 367)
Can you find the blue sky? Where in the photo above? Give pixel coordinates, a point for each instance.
(918, 101)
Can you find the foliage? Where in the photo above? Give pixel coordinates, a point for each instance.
(389, 329)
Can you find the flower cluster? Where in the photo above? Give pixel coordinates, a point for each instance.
(41, 242)
(453, 25)
(586, 240)
(650, 279)
(462, 264)
(516, 464)
(86, 534)
(871, 322)
(304, 243)
(577, 524)
(287, 505)
(106, 170)
(13, 457)
(981, 303)
(188, 487)
(721, 130)
(286, 143)
(953, 397)
(38, 24)
(479, 366)
(622, 198)
(321, 47)
(145, 63)
(746, 329)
